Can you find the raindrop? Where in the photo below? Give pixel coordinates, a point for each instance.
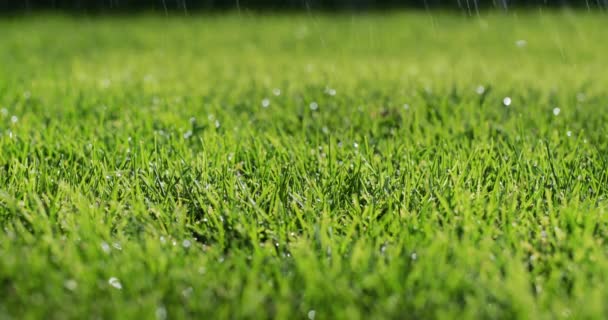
(14, 119)
(186, 243)
(70, 284)
(480, 90)
(356, 145)
(186, 293)
(4, 112)
(311, 314)
(556, 111)
(569, 133)
(276, 91)
(506, 101)
(105, 247)
(217, 124)
(314, 106)
(265, 103)
(114, 282)
(188, 134)
(161, 313)
(414, 256)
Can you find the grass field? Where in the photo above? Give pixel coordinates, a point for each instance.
(304, 166)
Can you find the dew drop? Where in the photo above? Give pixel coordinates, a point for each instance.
(70, 284)
(161, 313)
(105, 247)
(312, 314)
(265, 103)
(114, 282)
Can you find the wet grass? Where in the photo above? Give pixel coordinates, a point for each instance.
(304, 166)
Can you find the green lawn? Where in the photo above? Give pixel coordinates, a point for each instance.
(300, 166)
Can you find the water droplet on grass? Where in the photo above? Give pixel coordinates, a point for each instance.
(14, 119)
(70, 284)
(276, 91)
(556, 111)
(506, 101)
(313, 106)
(414, 256)
(480, 90)
(117, 246)
(186, 243)
(569, 133)
(406, 106)
(356, 145)
(311, 314)
(186, 293)
(4, 112)
(105, 247)
(217, 124)
(265, 103)
(161, 313)
(114, 282)
(521, 43)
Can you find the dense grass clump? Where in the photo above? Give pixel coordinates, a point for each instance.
(304, 166)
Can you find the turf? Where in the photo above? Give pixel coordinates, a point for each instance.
(304, 166)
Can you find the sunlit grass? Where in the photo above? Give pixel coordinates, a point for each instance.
(409, 165)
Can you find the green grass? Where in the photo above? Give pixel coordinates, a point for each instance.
(139, 148)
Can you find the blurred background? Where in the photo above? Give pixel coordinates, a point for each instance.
(108, 6)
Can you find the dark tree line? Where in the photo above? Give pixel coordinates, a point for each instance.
(102, 6)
